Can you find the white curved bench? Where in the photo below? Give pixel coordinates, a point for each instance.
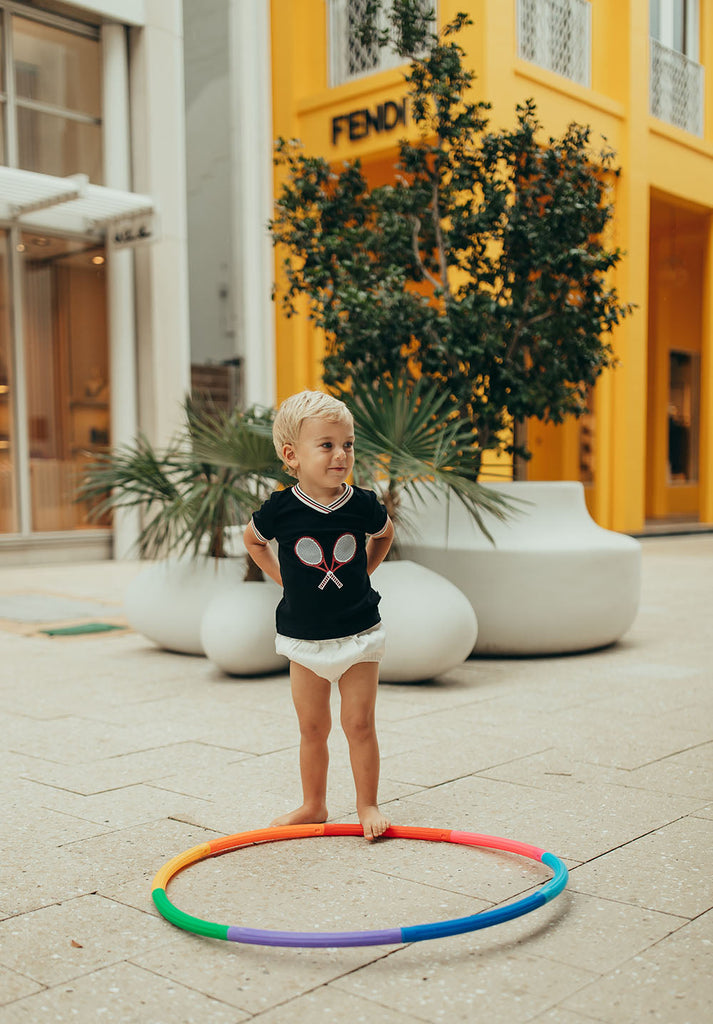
(554, 582)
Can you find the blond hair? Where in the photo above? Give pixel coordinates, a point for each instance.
(300, 407)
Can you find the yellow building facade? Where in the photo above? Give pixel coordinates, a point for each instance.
(640, 73)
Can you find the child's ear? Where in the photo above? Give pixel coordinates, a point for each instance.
(289, 456)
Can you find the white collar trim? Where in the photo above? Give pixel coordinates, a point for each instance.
(317, 505)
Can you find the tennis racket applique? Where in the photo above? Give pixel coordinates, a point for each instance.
(309, 551)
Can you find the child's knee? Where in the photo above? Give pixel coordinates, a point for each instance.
(358, 726)
(315, 730)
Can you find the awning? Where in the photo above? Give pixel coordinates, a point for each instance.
(71, 204)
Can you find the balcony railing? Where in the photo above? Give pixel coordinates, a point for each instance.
(676, 88)
(557, 35)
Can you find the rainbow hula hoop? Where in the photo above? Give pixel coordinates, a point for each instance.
(387, 936)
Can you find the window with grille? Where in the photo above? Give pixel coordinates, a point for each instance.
(349, 56)
(676, 77)
(557, 35)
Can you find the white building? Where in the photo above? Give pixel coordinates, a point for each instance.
(229, 176)
(94, 321)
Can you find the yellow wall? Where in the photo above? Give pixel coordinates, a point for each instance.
(656, 160)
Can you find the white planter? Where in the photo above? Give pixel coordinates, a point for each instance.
(238, 630)
(555, 581)
(430, 625)
(166, 601)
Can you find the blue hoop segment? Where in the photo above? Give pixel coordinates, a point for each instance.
(388, 936)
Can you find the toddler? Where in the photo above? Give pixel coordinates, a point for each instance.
(331, 536)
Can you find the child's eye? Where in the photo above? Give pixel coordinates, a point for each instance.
(349, 445)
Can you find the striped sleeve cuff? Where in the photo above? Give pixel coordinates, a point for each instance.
(263, 540)
(383, 529)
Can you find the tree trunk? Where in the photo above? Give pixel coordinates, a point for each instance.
(253, 572)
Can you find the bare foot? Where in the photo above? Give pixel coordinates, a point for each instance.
(304, 815)
(373, 822)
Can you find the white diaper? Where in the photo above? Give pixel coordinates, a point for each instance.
(330, 659)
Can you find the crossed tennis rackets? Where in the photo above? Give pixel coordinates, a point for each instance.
(309, 551)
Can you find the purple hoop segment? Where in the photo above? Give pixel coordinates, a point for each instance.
(384, 937)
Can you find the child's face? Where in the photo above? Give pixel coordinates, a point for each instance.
(323, 455)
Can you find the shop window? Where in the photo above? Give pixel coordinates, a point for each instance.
(67, 372)
(676, 77)
(683, 417)
(557, 35)
(8, 509)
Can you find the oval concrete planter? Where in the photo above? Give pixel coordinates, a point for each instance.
(166, 600)
(555, 582)
(238, 630)
(430, 625)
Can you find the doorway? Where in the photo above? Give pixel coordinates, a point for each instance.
(676, 259)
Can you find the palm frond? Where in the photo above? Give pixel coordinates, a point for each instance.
(239, 441)
(409, 441)
(209, 478)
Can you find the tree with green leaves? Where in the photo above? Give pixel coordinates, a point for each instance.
(483, 266)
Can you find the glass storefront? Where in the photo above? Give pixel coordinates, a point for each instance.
(66, 370)
(8, 504)
(54, 360)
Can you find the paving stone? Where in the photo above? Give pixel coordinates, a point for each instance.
(122, 864)
(666, 870)
(489, 875)
(329, 1004)
(154, 765)
(117, 808)
(576, 824)
(28, 607)
(15, 986)
(555, 770)
(560, 1016)
(603, 757)
(432, 764)
(74, 938)
(72, 741)
(586, 931)
(670, 983)
(449, 980)
(256, 978)
(327, 884)
(122, 994)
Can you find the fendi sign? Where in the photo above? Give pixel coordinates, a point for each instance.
(360, 123)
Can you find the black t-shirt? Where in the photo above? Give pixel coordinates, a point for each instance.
(322, 554)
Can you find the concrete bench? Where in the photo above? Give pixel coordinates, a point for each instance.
(554, 582)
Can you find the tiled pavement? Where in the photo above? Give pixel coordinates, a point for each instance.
(117, 756)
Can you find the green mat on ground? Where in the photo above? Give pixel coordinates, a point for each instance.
(85, 627)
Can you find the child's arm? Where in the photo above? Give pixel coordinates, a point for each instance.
(262, 554)
(377, 548)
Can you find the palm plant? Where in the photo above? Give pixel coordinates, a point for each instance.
(183, 495)
(412, 441)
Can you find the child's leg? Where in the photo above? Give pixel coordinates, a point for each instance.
(358, 688)
(310, 695)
